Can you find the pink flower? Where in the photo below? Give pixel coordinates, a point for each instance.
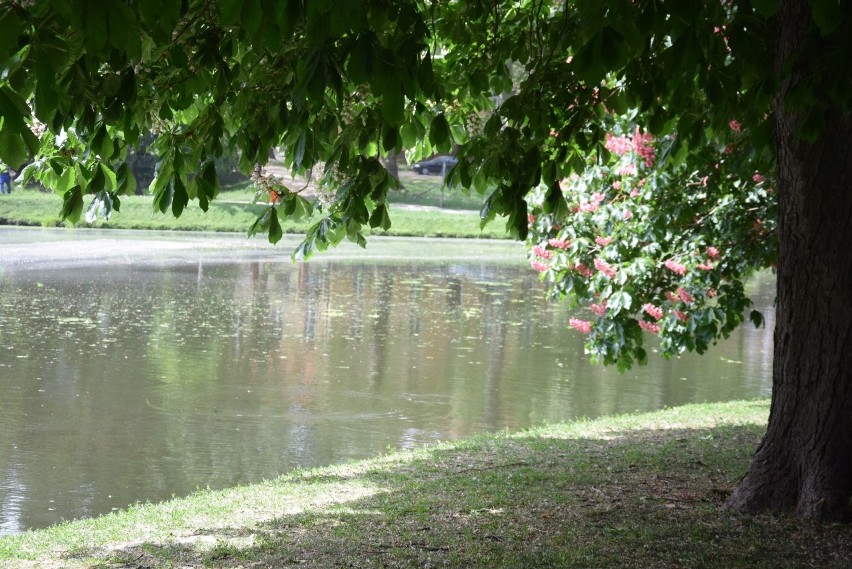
(675, 267)
(735, 125)
(589, 207)
(616, 185)
(681, 316)
(582, 325)
(654, 311)
(643, 145)
(603, 241)
(599, 309)
(627, 214)
(628, 170)
(598, 197)
(704, 181)
(584, 270)
(563, 244)
(712, 252)
(672, 296)
(531, 218)
(711, 292)
(649, 327)
(539, 251)
(705, 266)
(685, 296)
(617, 144)
(758, 177)
(539, 266)
(634, 192)
(605, 268)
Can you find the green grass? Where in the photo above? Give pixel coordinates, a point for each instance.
(631, 491)
(428, 190)
(232, 213)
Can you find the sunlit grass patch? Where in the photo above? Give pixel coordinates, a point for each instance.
(643, 490)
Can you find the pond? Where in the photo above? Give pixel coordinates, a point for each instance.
(140, 366)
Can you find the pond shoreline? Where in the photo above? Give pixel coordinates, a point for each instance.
(235, 214)
(630, 491)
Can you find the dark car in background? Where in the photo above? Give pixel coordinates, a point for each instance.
(436, 165)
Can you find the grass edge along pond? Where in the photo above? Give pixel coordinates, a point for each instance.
(231, 212)
(644, 490)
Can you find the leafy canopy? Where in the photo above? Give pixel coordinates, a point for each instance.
(629, 140)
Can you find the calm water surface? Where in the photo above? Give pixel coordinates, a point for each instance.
(136, 370)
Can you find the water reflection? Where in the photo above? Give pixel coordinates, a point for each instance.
(139, 381)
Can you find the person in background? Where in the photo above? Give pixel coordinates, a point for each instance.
(5, 181)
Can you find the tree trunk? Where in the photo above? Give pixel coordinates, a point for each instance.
(391, 165)
(804, 463)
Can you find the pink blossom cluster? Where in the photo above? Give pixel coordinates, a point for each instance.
(758, 177)
(711, 292)
(617, 144)
(556, 243)
(605, 268)
(583, 326)
(539, 251)
(593, 205)
(672, 297)
(643, 145)
(599, 309)
(627, 214)
(531, 218)
(649, 327)
(675, 267)
(616, 185)
(584, 270)
(654, 311)
(712, 252)
(708, 266)
(680, 315)
(634, 192)
(684, 296)
(735, 125)
(627, 170)
(603, 241)
(539, 266)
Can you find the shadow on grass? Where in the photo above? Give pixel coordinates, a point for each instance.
(650, 498)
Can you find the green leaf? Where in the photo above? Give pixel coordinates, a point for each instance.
(102, 143)
(125, 181)
(13, 150)
(95, 27)
(229, 12)
(393, 104)
(439, 132)
(262, 222)
(251, 16)
(275, 231)
(380, 218)
(180, 197)
(72, 205)
(827, 14)
(14, 62)
(299, 156)
(757, 319)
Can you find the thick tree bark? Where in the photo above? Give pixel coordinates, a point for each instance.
(804, 463)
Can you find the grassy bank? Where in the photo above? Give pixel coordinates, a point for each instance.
(632, 491)
(231, 212)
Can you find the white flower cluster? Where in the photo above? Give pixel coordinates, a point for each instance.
(38, 127)
(267, 182)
